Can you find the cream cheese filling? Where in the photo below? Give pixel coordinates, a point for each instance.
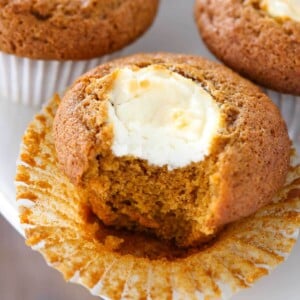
(283, 8)
(161, 116)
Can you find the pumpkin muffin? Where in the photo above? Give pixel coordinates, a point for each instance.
(260, 39)
(172, 145)
(45, 45)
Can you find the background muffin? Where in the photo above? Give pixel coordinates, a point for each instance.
(245, 163)
(259, 39)
(51, 35)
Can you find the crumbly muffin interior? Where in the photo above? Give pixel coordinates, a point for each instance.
(128, 192)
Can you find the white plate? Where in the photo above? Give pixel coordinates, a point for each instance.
(175, 31)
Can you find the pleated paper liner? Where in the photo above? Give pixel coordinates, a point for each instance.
(30, 81)
(121, 265)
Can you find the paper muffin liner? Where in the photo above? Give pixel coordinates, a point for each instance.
(121, 265)
(289, 106)
(30, 81)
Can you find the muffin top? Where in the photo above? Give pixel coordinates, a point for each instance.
(258, 38)
(245, 155)
(76, 29)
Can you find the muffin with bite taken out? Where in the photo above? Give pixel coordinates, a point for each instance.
(173, 145)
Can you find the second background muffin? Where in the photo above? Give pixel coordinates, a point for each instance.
(260, 40)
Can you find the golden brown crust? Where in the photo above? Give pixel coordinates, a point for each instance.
(247, 39)
(76, 29)
(247, 166)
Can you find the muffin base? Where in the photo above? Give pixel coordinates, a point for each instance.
(30, 82)
(121, 265)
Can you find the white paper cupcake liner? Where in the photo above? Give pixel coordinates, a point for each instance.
(31, 82)
(120, 265)
(289, 106)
